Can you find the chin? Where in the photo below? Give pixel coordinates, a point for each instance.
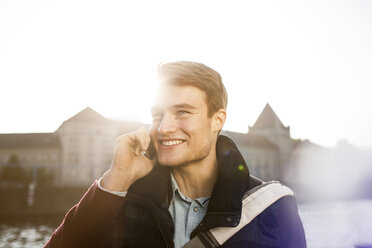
(170, 163)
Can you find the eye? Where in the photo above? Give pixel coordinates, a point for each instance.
(183, 112)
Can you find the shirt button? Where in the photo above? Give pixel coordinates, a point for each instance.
(229, 219)
(196, 209)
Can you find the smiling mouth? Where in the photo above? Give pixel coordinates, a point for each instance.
(171, 142)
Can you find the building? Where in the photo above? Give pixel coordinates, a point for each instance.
(23, 154)
(78, 152)
(266, 147)
(81, 149)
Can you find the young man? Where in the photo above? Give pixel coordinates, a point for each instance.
(195, 182)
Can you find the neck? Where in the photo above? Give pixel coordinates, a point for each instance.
(197, 179)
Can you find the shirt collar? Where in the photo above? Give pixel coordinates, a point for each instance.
(176, 191)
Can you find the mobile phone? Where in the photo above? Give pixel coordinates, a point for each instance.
(150, 152)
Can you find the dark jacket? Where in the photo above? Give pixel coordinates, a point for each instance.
(142, 219)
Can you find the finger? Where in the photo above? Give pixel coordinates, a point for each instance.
(131, 142)
(142, 133)
(148, 139)
(140, 140)
(137, 141)
(137, 150)
(128, 139)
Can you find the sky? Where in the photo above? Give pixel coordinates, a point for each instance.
(310, 60)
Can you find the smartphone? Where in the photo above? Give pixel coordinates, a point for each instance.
(150, 152)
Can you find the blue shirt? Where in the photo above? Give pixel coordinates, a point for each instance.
(186, 214)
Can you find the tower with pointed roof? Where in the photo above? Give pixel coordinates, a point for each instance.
(270, 126)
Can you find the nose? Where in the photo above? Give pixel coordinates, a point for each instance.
(167, 125)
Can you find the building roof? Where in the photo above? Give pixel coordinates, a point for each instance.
(87, 115)
(29, 140)
(250, 140)
(267, 119)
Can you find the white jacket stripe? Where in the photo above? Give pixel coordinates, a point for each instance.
(253, 205)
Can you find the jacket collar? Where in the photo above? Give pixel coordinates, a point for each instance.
(225, 205)
(233, 181)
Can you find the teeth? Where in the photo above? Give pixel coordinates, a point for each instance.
(171, 142)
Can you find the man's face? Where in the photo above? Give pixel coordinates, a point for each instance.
(181, 128)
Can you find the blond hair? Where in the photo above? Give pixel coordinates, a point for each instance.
(198, 75)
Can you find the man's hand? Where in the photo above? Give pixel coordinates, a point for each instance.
(129, 164)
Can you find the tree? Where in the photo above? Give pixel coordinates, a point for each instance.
(14, 172)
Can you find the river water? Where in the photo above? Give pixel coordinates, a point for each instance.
(327, 225)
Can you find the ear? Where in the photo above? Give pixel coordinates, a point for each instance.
(218, 120)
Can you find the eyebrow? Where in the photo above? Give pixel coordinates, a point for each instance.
(183, 105)
(176, 106)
